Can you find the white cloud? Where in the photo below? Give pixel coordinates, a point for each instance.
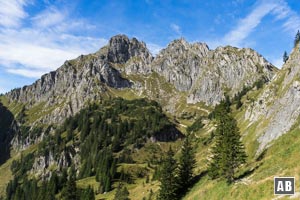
(12, 12)
(35, 56)
(245, 26)
(284, 12)
(44, 46)
(176, 28)
(49, 17)
(292, 24)
(27, 72)
(42, 53)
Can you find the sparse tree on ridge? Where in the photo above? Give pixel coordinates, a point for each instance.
(297, 38)
(285, 57)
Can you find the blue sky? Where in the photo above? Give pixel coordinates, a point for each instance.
(37, 36)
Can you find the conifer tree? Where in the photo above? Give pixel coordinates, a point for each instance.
(121, 193)
(228, 153)
(90, 193)
(297, 39)
(70, 191)
(186, 164)
(87, 194)
(285, 57)
(169, 186)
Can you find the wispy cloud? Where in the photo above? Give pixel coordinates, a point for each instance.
(45, 45)
(12, 12)
(26, 72)
(43, 54)
(292, 18)
(176, 28)
(49, 17)
(278, 10)
(246, 25)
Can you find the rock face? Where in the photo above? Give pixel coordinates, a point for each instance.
(278, 104)
(181, 63)
(207, 74)
(203, 74)
(121, 49)
(42, 164)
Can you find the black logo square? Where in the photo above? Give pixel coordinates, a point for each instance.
(284, 185)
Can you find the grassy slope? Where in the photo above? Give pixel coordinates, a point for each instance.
(281, 159)
(5, 176)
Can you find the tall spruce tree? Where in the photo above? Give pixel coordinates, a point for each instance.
(87, 194)
(186, 164)
(121, 193)
(70, 191)
(169, 182)
(228, 152)
(297, 38)
(285, 57)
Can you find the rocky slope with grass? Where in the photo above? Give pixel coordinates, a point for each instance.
(277, 107)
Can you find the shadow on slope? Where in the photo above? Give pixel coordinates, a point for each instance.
(8, 126)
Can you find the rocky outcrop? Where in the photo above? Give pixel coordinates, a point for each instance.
(121, 49)
(43, 165)
(180, 63)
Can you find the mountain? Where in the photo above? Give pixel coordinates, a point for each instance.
(110, 116)
(203, 75)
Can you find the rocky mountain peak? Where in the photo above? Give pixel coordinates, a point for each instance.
(118, 49)
(181, 46)
(181, 42)
(121, 49)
